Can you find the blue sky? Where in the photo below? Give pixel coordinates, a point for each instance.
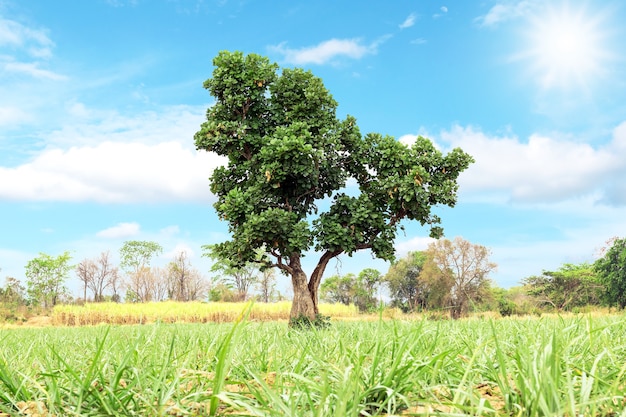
(99, 101)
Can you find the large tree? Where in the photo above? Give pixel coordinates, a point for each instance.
(611, 268)
(287, 151)
(466, 265)
(570, 286)
(351, 289)
(136, 256)
(184, 283)
(46, 276)
(413, 286)
(97, 275)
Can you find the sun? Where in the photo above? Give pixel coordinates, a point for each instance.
(566, 47)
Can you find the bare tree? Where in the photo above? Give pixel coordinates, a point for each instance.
(158, 283)
(184, 282)
(97, 275)
(179, 272)
(86, 272)
(267, 285)
(198, 286)
(466, 265)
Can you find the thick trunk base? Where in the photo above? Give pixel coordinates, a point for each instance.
(304, 302)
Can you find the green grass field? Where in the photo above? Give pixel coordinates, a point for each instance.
(549, 366)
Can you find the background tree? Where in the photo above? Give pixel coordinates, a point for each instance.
(184, 282)
(242, 276)
(13, 293)
(158, 280)
(403, 283)
(611, 269)
(352, 289)
(287, 151)
(45, 278)
(97, 275)
(266, 285)
(369, 281)
(86, 272)
(135, 261)
(339, 289)
(222, 291)
(570, 286)
(467, 265)
(412, 288)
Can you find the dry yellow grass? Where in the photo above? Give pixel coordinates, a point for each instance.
(179, 312)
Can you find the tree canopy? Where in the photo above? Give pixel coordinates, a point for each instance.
(612, 272)
(46, 276)
(570, 286)
(288, 151)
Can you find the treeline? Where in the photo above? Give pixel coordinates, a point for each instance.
(450, 277)
(134, 280)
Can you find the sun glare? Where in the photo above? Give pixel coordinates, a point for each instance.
(566, 47)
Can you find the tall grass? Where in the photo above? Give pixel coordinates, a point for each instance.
(510, 367)
(178, 312)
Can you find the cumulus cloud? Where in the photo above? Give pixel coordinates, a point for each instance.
(541, 169)
(121, 230)
(112, 173)
(327, 51)
(408, 22)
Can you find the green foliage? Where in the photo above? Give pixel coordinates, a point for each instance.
(45, 278)
(569, 287)
(611, 269)
(241, 276)
(350, 289)
(137, 254)
(221, 291)
(407, 291)
(287, 150)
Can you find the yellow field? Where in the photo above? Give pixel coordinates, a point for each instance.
(179, 312)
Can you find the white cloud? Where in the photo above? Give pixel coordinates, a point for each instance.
(112, 173)
(542, 169)
(408, 22)
(178, 248)
(35, 42)
(93, 127)
(415, 244)
(121, 230)
(418, 41)
(33, 70)
(444, 9)
(327, 51)
(506, 10)
(12, 116)
(170, 230)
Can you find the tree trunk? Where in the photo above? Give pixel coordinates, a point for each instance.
(304, 302)
(305, 295)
